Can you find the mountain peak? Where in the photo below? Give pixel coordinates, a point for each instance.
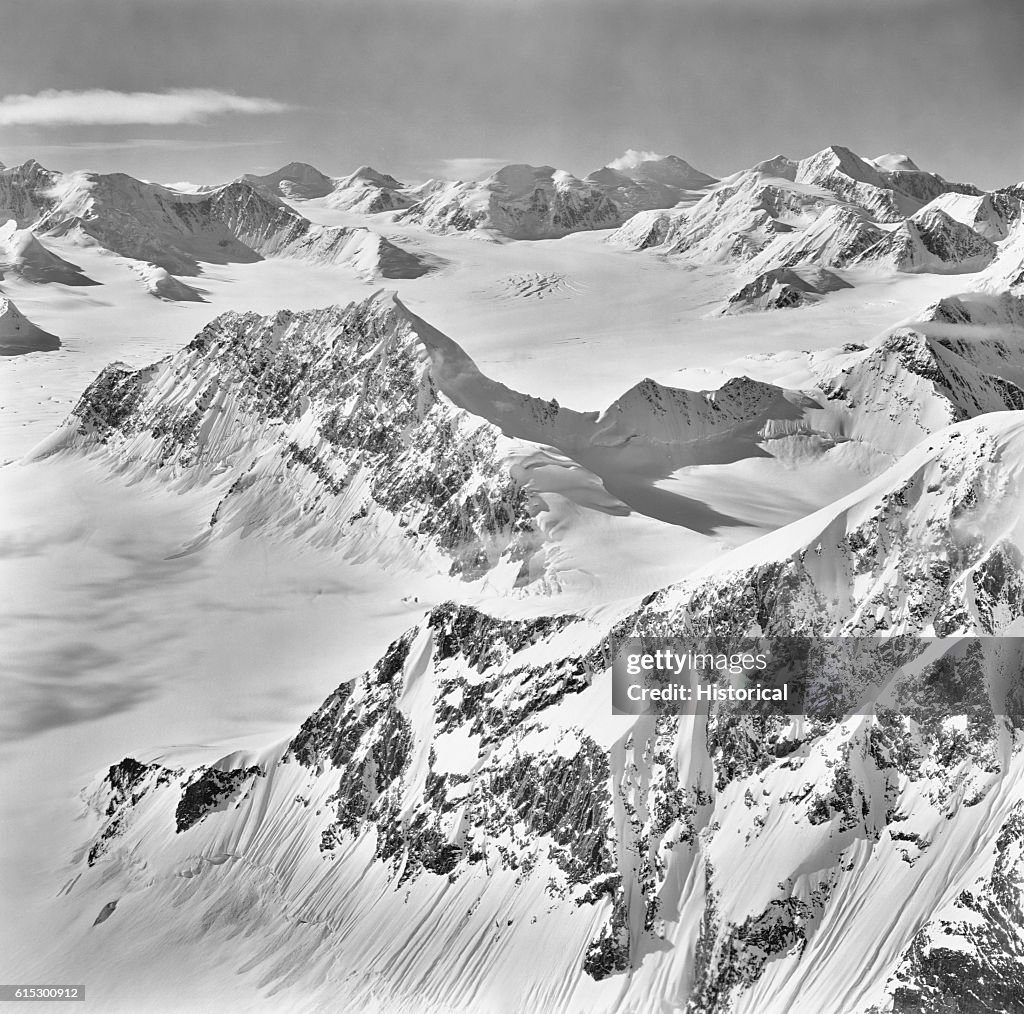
(667, 170)
(895, 162)
(297, 180)
(368, 174)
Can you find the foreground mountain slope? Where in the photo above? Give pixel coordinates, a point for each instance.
(473, 793)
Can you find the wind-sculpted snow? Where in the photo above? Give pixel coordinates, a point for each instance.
(161, 283)
(324, 424)
(472, 781)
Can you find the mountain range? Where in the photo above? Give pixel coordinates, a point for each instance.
(463, 824)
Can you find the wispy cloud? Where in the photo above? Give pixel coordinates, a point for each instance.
(160, 143)
(631, 158)
(470, 168)
(98, 106)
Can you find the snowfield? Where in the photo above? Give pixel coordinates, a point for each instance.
(327, 497)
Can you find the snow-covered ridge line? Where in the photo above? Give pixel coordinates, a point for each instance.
(325, 425)
(832, 210)
(278, 405)
(178, 232)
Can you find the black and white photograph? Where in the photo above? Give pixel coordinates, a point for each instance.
(512, 506)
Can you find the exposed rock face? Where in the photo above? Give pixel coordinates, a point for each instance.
(325, 422)
(25, 192)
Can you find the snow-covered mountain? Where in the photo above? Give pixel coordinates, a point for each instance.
(538, 202)
(833, 210)
(178, 232)
(307, 453)
(370, 192)
(233, 223)
(298, 181)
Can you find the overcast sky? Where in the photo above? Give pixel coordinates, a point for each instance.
(206, 89)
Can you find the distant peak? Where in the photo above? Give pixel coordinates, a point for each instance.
(895, 162)
(780, 166)
(29, 165)
(369, 174)
(521, 177)
(299, 168)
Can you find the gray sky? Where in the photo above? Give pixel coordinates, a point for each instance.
(407, 85)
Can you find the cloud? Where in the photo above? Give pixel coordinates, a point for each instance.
(631, 158)
(168, 143)
(470, 168)
(98, 106)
